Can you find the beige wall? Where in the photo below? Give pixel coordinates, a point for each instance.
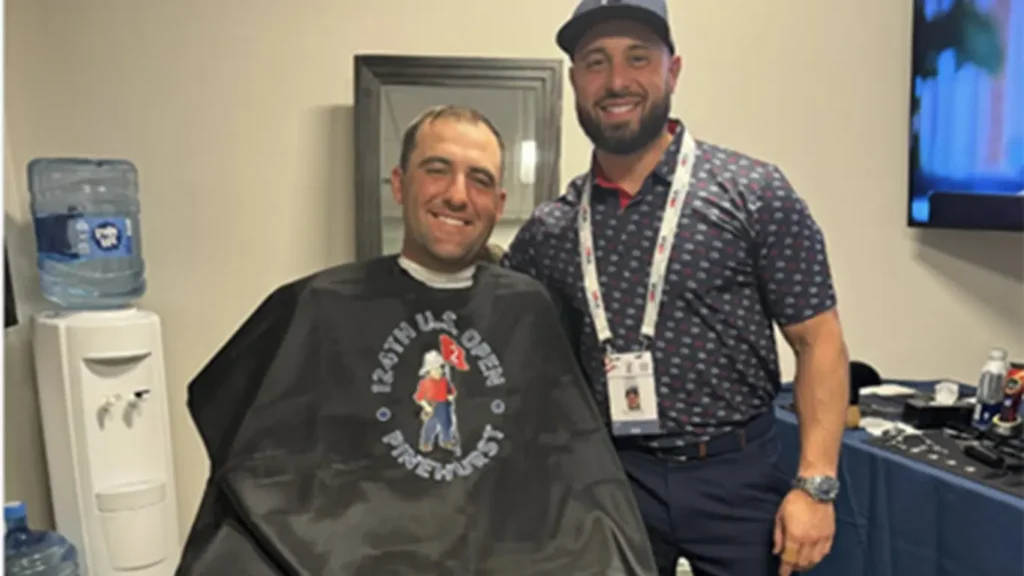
(238, 114)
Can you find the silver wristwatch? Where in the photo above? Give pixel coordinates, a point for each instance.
(821, 488)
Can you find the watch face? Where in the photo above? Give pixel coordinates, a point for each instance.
(824, 487)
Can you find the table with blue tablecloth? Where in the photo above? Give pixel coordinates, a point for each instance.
(899, 517)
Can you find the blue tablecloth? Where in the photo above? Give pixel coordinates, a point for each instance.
(899, 517)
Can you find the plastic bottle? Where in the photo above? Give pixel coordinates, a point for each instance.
(989, 396)
(89, 245)
(30, 552)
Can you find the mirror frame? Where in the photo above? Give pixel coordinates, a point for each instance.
(10, 305)
(373, 72)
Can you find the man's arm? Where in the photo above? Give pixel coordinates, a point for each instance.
(822, 391)
(421, 394)
(521, 257)
(796, 283)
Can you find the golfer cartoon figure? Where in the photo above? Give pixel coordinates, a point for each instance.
(435, 393)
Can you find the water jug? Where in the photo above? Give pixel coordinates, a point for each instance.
(89, 242)
(30, 552)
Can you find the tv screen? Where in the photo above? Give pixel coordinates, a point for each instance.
(967, 114)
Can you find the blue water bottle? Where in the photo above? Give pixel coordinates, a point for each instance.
(30, 552)
(86, 218)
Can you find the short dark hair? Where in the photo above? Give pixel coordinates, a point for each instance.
(461, 113)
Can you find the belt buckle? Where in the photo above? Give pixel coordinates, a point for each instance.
(669, 455)
(702, 452)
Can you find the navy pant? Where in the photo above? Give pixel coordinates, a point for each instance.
(718, 512)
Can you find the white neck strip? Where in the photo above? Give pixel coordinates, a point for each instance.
(440, 280)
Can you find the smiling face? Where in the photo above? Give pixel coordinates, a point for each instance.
(623, 77)
(450, 192)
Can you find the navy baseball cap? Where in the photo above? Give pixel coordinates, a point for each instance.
(589, 13)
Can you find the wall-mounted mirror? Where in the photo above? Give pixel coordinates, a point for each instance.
(523, 98)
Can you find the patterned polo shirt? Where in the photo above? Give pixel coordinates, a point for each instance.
(747, 254)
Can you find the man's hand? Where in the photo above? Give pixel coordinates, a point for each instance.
(804, 529)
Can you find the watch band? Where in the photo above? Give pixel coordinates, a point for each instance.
(821, 488)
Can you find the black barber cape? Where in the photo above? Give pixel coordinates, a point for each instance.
(324, 460)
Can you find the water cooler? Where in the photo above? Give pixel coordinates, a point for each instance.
(106, 426)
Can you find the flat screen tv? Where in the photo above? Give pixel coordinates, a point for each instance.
(967, 115)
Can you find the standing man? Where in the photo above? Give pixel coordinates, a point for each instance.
(673, 258)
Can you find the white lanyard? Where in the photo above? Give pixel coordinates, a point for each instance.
(659, 263)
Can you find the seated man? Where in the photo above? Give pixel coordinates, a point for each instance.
(421, 414)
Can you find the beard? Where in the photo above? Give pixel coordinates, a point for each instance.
(621, 139)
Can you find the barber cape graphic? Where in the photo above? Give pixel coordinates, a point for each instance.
(436, 392)
(360, 423)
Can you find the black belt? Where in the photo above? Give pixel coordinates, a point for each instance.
(732, 441)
